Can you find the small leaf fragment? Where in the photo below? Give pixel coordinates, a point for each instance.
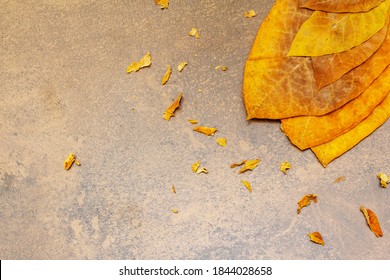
(223, 68)
(169, 112)
(316, 237)
(202, 170)
(209, 131)
(339, 179)
(195, 166)
(162, 3)
(237, 164)
(384, 179)
(175, 211)
(250, 13)
(284, 166)
(70, 160)
(250, 165)
(173, 189)
(306, 200)
(193, 121)
(166, 75)
(221, 141)
(181, 66)
(144, 62)
(247, 185)
(194, 33)
(372, 221)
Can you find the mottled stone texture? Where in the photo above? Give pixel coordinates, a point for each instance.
(64, 89)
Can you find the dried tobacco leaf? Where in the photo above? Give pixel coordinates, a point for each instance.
(306, 200)
(384, 179)
(339, 6)
(144, 62)
(237, 164)
(193, 121)
(202, 170)
(221, 141)
(195, 166)
(173, 189)
(250, 165)
(194, 33)
(316, 237)
(175, 211)
(162, 3)
(250, 13)
(329, 151)
(325, 33)
(181, 66)
(310, 131)
(209, 131)
(339, 179)
(69, 161)
(169, 112)
(247, 185)
(372, 221)
(166, 75)
(284, 166)
(223, 68)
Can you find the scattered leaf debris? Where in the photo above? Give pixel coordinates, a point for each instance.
(306, 200)
(339, 179)
(70, 160)
(175, 211)
(173, 189)
(221, 141)
(384, 179)
(250, 13)
(372, 221)
(247, 185)
(181, 66)
(169, 112)
(166, 75)
(197, 169)
(193, 121)
(223, 68)
(162, 3)
(284, 166)
(194, 33)
(316, 237)
(144, 62)
(209, 131)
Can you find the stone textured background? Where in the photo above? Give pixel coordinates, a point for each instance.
(64, 89)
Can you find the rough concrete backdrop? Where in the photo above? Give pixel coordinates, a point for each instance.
(64, 89)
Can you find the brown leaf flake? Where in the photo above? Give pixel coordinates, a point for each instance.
(169, 112)
(233, 165)
(372, 221)
(306, 200)
(316, 237)
(144, 62)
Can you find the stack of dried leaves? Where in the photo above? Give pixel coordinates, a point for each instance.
(322, 68)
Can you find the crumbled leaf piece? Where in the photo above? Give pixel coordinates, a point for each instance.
(237, 164)
(384, 179)
(284, 166)
(173, 189)
(194, 33)
(223, 68)
(193, 121)
(221, 141)
(316, 238)
(77, 162)
(162, 3)
(69, 161)
(144, 62)
(250, 165)
(249, 14)
(175, 211)
(195, 166)
(339, 179)
(305, 201)
(181, 66)
(372, 221)
(247, 185)
(166, 75)
(169, 112)
(209, 131)
(202, 170)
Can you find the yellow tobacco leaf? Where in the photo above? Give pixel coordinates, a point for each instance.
(237, 164)
(173, 189)
(166, 75)
(310, 131)
(69, 161)
(193, 121)
(194, 33)
(339, 179)
(331, 67)
(144, 62)
(202, 170)
(181, 66)
(223, 68)
(284, 166)
(343, 143)
(339, 6)
(384, 179)
(316, 237)
(249, 14)
(326, 33)
(162, 3)
(209, 131)
(249, 165)
(175, 211)
(372, 221)
(306, 200)
(221, 141)
(169, 112)
(247, 185)
(195, 166)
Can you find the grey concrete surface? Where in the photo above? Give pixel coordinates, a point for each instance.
(64, 89)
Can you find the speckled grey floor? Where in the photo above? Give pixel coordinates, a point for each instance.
(64, 89)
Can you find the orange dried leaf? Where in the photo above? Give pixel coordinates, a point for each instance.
(372, 221)
(193, 121)
(181, 66)
(194, 33)
(316, 237)
(195, 166)
(339, 179)
(339, 6)
(173, 189)
(247, 185)
(284, 166)
(144, 62)
(250, 13)
(221, 141)
(383, 179)
(69, 161)
(250, 165)
(209, 131)
(166, 75)
(325, 33)
(169, 112)
(306, 200)
(162, 3)
(237, 164)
